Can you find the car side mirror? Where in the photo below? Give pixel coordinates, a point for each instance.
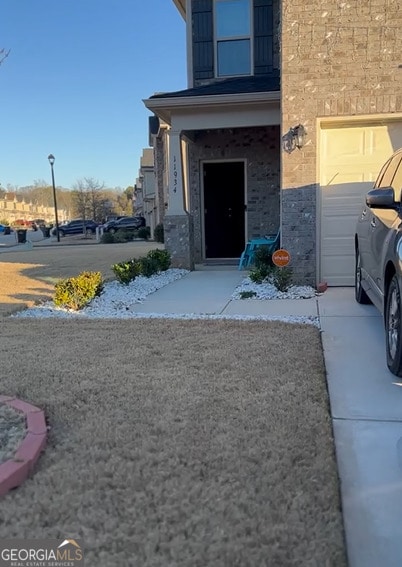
(381, 198)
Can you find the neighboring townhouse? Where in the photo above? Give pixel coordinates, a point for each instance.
(148, 183)
(290, 110)
(14, 207)
(138, 198)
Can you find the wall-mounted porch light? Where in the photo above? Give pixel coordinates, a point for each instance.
(294, 138)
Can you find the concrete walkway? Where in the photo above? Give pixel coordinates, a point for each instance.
(365, 399)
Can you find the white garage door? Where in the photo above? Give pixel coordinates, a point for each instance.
(350, 160)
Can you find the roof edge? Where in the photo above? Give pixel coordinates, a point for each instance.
(181, 6)
(212, 100)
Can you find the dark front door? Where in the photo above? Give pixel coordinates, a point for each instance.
(224, 209)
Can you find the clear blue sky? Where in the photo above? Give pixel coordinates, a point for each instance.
(74, 81)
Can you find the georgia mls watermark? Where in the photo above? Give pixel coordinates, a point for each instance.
(41, 553)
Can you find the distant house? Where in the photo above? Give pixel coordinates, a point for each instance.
(13, 207)
(145, 189)
(289, 112)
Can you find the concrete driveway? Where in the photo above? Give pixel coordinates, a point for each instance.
(366, 406)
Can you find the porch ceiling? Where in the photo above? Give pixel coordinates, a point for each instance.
(225, 111)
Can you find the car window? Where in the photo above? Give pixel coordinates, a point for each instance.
(397, 180)
(389, 173)
(381, 174)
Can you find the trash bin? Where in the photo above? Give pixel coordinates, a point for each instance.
(7, 230)
(45, 230)
(22, 235)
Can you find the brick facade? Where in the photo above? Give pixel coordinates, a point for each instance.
(260, 148)
(337, 59)
(179, 240)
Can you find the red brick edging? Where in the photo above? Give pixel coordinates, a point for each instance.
(14, 471)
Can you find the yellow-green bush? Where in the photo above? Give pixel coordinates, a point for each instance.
(75, 293)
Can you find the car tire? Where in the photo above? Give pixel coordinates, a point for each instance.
(88, 232)
(393, 327)
(360, 295)
(113, 231)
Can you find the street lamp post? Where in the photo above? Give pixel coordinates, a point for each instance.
(51, 159)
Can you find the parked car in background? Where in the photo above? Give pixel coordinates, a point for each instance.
(77, 226)
(124, 223)
(378, 252)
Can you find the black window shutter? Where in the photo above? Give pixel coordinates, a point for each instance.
(203, 46)
(263, 37)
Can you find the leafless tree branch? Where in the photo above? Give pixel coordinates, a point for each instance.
(4, 54)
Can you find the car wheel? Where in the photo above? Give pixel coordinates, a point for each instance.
(88, 232)
(360, 295)
(393, 327)
(113, 231)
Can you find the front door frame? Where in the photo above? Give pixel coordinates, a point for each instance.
(206, 161)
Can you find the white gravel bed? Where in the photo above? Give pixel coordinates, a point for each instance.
(117, 302)
(12, 431)
(269, 291)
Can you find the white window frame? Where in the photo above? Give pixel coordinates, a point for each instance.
(250, 37)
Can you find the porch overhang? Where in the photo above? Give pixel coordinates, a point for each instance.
(236, 110)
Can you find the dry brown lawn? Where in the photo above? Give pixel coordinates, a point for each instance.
(177, 443)
(28, 277)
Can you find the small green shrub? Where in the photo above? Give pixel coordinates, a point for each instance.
(281, 278)
(155, 261)
(247, 294)
(149, 266)
(123, 236)
(162, 257)
(144, 232)
(74, 293)
(107, 238)
(258, 275)
(159, 233)
(262, 257)
(127, 271)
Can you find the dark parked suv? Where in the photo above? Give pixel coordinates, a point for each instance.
(378, 246)
(124, 223)
(77, 226)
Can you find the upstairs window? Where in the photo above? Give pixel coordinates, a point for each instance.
(233, 37)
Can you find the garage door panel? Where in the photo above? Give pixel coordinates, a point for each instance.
(339, 178)
(338, 268)
(351, 158)
(346, 147)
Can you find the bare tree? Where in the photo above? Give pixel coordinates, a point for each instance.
(89, 199)
(3, 54)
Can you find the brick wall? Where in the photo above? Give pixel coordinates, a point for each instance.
(337, 59)
(260, 147)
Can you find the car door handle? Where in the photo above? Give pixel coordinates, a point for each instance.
(372, 223)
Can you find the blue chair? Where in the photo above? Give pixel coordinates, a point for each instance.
(271, 241)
